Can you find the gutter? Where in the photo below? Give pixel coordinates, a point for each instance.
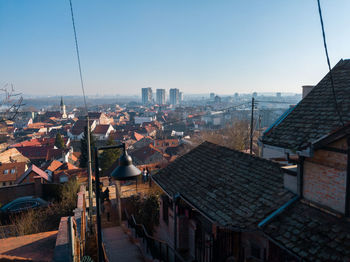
(347, 188)
(278, 211)
(280, 119)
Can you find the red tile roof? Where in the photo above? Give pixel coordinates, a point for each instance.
(101, 129)
(53, 165)
(36, 170)
(79, 126)
(40, 152)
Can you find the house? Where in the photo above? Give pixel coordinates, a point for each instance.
(40, 154)
(10, 172)
(100, 118)
(163, 144)
(316, 227)
(31, 174)
(77, 131)
(61, 176)
(147, 155)
(55, 166)
(214, 199)
(12, 155)
(101, 132)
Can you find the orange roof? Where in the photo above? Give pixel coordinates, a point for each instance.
(138, 136)
(54, 165)
(39, 125)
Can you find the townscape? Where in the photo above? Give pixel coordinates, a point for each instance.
(172, 175)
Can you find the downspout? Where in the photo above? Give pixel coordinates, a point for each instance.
(278, 211)
(300, 178)
(347, 189)
(175, 198)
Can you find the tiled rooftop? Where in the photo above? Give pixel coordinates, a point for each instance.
(315, 116)
(311, 234)
(233, 189)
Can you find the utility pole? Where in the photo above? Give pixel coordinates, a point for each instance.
(251, 128)
(91, 206)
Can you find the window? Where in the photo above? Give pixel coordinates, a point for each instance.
(13, 170)
(6, 171)
(3, 183)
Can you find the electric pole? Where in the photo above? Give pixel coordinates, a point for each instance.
(89, 171)
(251, 128)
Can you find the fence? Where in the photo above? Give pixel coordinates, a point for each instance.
(156, 248)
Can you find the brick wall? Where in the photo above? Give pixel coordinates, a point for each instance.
(325, 178)
(10, 193)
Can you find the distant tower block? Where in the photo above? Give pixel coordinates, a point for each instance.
(63, 109)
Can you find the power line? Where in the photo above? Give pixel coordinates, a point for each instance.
(78, 55)
(89, 168)
(329, 64)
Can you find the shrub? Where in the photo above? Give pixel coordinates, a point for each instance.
(45, 219)
(145, 210)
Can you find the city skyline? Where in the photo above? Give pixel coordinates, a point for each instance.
(198, 47)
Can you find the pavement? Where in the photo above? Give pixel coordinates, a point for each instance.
(119, 247)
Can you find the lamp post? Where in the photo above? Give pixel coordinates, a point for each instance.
(125, 171)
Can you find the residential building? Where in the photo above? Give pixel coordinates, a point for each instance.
(314, 135)
(212, 96)
(160, 96)
(12, 155)
(31, 174)
(174, 95)
(102, 132)
(10, 172)
(77, 131)
(146, 95)
(214, 199)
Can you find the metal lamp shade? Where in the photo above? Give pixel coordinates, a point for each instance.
(126, 170)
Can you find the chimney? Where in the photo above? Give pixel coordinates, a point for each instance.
(306, 90)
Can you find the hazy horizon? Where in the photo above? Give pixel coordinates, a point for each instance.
(197, 46)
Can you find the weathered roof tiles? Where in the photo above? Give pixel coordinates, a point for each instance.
(234, 189)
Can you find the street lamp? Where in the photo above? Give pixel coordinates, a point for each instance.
(125, 171)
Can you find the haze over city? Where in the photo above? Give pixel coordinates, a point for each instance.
(196, 46)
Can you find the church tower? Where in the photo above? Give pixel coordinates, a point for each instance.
(63, 109)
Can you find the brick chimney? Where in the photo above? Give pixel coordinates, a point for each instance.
(306, 90)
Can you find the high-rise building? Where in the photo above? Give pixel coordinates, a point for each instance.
(174, 94)
(212, 96)
(160, 96)
(146, 95)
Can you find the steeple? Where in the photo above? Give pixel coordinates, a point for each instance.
(63, 109)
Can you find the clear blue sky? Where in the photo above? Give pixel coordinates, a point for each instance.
(199, 46)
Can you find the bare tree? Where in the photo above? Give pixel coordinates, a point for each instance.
(235, 136)
(10, 103)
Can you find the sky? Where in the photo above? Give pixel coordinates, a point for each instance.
(198, 46)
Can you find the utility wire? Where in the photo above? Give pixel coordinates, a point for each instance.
(89, 168)
(78, 56)
(329, 64)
